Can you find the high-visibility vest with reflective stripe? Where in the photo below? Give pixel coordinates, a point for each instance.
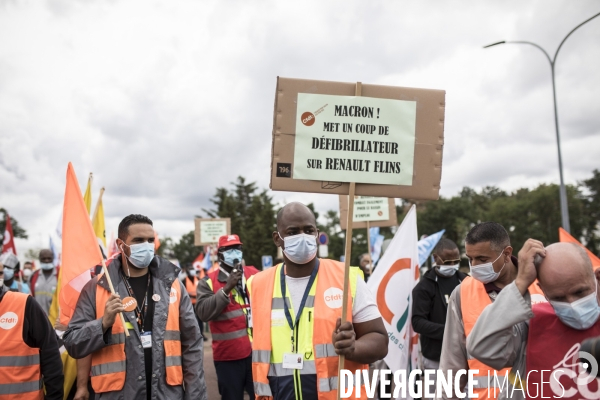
(473, 299)
(109, 363)
(230, 334)
(191, 288)
(272, 335)
(20, 374)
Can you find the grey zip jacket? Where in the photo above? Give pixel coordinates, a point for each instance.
(499, 337)
(497, 318)
(84, 336)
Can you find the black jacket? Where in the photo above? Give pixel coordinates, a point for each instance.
(429, 312)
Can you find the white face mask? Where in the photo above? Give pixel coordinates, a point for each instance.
(46, 266)
(448, 270)
(580, 314)
(485, 273)
(182, 275)
(27, 272)
(301, 248)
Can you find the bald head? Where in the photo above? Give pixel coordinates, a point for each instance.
(566, 273)
(297, 212)
(46, 256)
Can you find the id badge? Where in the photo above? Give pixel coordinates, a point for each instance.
(293, 361)
(249, 315)
(146, 340)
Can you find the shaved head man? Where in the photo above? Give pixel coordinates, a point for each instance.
(298, 333)
(555, 330)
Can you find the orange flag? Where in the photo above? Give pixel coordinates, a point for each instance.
(156, 241)
(80, 250)
(564, 236)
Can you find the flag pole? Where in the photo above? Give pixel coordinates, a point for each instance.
(112, 290)
(347, 257)
(95, 214)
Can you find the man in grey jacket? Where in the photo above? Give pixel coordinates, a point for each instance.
(151, 361)
(493, 267)
(500, 336)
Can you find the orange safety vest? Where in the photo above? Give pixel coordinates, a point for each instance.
(473, 299)
(191, 288)
(330, 275)
(109, 363)
(20, 372)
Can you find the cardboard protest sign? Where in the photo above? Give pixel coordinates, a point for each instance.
(377, 211)
(209, 230)
(388, 140)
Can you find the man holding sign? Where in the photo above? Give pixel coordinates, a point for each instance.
(297, 306)
(162, 357)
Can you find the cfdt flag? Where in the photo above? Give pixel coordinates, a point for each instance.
(392, 283)
(8, 243)
(80, 250)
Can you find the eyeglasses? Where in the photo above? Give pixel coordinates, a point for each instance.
(450, 262)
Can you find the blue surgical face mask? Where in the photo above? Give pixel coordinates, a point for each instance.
(9, 273)
(580, 314)
(46, 266)
(141, 254)
(230, 255)
(448, 270)
(485, 273)
(301, 248)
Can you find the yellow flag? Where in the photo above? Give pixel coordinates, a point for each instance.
(98, 222)
(87, 197)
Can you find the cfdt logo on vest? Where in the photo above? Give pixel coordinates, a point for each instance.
(8, 320)
(333, 297)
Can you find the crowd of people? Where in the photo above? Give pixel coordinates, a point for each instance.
(137, 330)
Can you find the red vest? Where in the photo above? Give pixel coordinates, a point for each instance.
(553, 347)
(229, 331)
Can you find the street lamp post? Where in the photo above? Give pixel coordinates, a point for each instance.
(564, 209)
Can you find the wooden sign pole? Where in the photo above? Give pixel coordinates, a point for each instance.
(112, 290)
(369, 247)
(347, 257)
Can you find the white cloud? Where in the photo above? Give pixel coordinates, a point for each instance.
(165, 101)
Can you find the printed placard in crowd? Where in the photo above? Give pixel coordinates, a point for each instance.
(354, 139)
(378, 211)
(208, 230)
(387, 140)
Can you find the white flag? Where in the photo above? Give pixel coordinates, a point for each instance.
(392, 283)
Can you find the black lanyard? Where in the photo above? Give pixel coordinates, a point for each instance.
(138, 309)
(288, 316)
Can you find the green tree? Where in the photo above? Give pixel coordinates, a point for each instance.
(591, 234)
(184, 250)
(252, 215)
(18, 231)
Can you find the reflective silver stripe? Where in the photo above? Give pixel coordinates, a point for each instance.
(276, 369)
(19, 361)
(261, 356)
(108, 368)
(481, 382)
(172, 335)
(117, 338)
(230, 335)
(277, 303)
(310, 301)
(172, 361)
(230, 315)
(18, 388)
(325, 350)
(262, 389)
(328, 384)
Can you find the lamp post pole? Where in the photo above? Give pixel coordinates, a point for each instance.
(564, 209)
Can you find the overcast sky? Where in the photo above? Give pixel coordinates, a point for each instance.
(166, 100)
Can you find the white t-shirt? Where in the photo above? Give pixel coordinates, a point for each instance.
(364, 308)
